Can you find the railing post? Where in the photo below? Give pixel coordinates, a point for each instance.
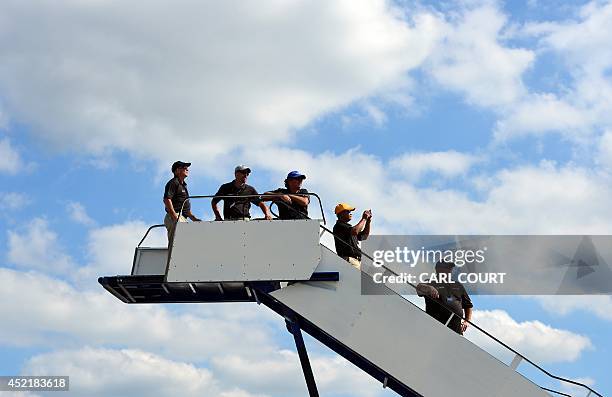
(515, 362)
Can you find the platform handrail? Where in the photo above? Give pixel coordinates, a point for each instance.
(147, 233)
(263, 195)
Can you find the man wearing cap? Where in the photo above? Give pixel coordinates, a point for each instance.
(293, 204)
(238, 209)
(347, 237)
(447, 297)
(176, 197)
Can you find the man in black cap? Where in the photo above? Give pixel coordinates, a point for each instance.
(293, 204)
(238, 209)
(176, 197)
(443, 299)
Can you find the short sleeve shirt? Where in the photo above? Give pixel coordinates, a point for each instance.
(452, 295)
(293, 210)
(236, 207)
(178, 194)
(342, 236)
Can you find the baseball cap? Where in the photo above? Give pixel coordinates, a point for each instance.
(242, 168)
(179, 164)
(296, 175)
(343, 207)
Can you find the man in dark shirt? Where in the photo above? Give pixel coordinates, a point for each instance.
(444, 298)
(347, 237)
(176, 197)
(293, 204)
(238, 208)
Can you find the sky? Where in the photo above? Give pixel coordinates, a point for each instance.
(470, 117)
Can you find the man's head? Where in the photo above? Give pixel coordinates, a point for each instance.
(180, 169)
(444, 266)
(344, 211)
(241, 173)
(294, 180)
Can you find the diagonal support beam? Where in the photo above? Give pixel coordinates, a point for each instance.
(303, 354)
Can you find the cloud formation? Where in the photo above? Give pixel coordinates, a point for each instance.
(207, 79)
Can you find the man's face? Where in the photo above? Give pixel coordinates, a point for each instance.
(294, 184)
(182, 172)
(447, 270)
(241, 176)
(346, 215)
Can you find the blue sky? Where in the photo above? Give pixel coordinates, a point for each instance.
(467, 117)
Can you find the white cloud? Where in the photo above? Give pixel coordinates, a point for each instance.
(78, 214)
(12, 201)
(604, 155)
(598, 305)
(36, 246)
(281, 374)
(10, 160)
(544, 113)
(127, 372)
(581, 106)
(472, 60)
(449, 164)
(537, 341)
(56, 313)
(111, 248)
(197, 78)
(4, 120)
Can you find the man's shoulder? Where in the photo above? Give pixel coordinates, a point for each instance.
(172, 182)
(342, 225)
(226, 186)
(250, 188)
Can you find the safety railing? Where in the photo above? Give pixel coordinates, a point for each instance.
(262, 197)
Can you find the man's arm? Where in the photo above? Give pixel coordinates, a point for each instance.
(467, 304)
(468, 316)
(360, 226)
(170, 209)
(365, 233)
(285, 197)
(265, 210)
(427, 290)
(300, 199)
(214, 202)
(193, 217)
(218, 217)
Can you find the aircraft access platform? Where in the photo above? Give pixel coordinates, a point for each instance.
(282, 264)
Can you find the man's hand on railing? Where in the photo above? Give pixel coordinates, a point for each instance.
(427, 290)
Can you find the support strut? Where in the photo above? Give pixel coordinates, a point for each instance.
(295, 329)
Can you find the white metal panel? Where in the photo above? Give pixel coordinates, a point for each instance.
(400, 338)
(150, 261)
(243, 251)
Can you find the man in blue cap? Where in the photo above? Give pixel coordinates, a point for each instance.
(293, 204)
